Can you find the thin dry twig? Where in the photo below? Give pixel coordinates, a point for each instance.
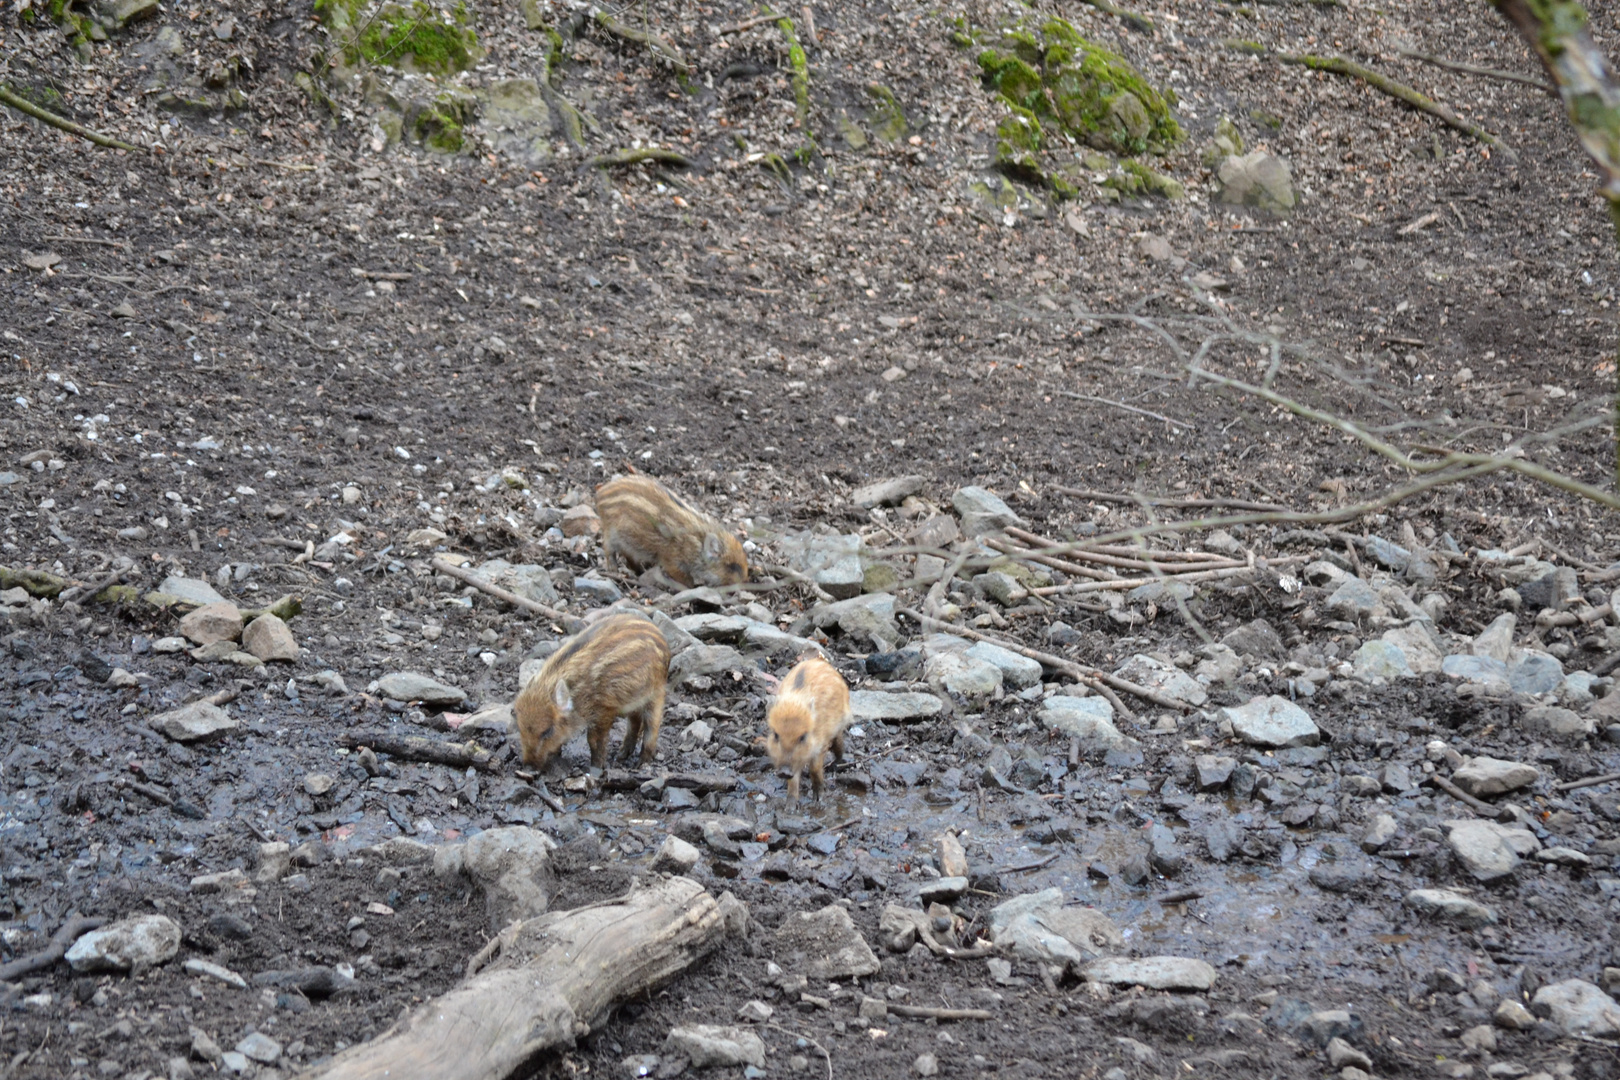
(468, 577)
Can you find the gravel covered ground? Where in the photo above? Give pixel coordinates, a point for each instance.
(285, 358)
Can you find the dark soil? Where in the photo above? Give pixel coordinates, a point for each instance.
(203, 394)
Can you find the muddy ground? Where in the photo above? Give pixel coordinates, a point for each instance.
(272, 335)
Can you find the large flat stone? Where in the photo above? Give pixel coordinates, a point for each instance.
(1017, 670)
(1153, 972)
(1451, 905)
(414, 686)
(1089, 719)
(200, 721)
(1483, 777)
(961, 674)
(1163, 678)
(1036, 926)
(190, 590)
(1578, 1007)
(824, 945)
(1482, 851)
(211, 623)
(982, 511)
(1273, 721)
(893, 708)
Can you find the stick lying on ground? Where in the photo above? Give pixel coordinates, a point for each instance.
(415, 748)
(557, 978)
(57, 948)
(467, 576)
(23, 105)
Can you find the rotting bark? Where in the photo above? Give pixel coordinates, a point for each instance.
(638, 156)
(557, 978)
(1338, 65)
(417, 748)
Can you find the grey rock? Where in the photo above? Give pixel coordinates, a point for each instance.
(832, 562)
(259, 1047)
(707, 660)
(1582, 688)
(1496, 640)
(1017, 671)
(755, 1012)
(1036, 926)
(1417, 643)
(1153, 972)
(824, 945)
(1354, 599)
(1325, 1025)
(1089, 719)
(598, 589)
(1513, 1016)
(1531, 672)
(864, 618)
(711, 627)
(1258, 639)
(190, 590)
(963, 675)
(1341, 1053)
(1220, 665)
(942, 890)
(1451, 905)
(207, 969)
(677, 639)
(1486, 776)
(1485, 672)
(1389, 556)
(198, 722)
(1221, 838)
(707, 1045)
(938, 532)
(1259, 179)
(528, 580)
(982, 512)
(1579, 1008)
(1163, 678)
(414, 686)
(211, 623)
(1482, 851)
(1563, 856)
(269, 638)
(1273, 722)
(1554, 590)
(773, 641)
(878, 705)
(1379, 659)
(1395, 778)
(926, 1065)
(886, 492)
(130, 945)
(675, 856)
(1001, 587)
(1213, 771)
(513, 866)
(1379, 832)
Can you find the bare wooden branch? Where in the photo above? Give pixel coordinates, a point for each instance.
(23, 105)
(557, 979)
(57, 948)
(417, 748)
(653, 42)
(1174, 504)
(452, 570)
(930, 1012)
(1483, 72)
(1493, 812)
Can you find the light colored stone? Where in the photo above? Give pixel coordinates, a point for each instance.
(1480, 1038)
(966, 676)
(675, 856)
(1558, 722)
(269, 638)
(864, 618)
(1220, 665)
(259, 1047)
(1417, 643)
(1017, 671)
(1486, 776)
(190, 590)
(824, 945)
(755, 1012)
(1482, 851)
(130, 945)
(1036, 926)
(1354, 599)
(1496, 640)
(528, 580)
(414, 686)
(1259, 179)
(982, 512)
(879, 705)
(1451, 905)
(707, 660)
(222, 881)
(1563, 856)
(1163, 678)
(1578, 1007)
(425, 538)
(886, 492)
(1512, 1015)
(1380, 659)
(1089, 719)
(513, 865)
(1531, 672)
(1380, 832)
(952, 856)
(1153, 972)
(211, 623)
(1273, 722)
(275, 861)
(200, 721)
(1341, 1053)
(708, 1045)
(208, 969)
(1485, 672)
(712, 626)
(832, 561)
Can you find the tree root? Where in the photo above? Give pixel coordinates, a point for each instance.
(639, 156)
(646, 38)
(1483, 72)
(23, 105)
(1338, 65)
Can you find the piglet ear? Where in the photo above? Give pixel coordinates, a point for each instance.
(563, 699)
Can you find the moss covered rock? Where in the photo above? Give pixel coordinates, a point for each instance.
(887, 119)
(419, 37)
(1075, 87)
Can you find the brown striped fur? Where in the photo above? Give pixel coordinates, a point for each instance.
(645, 525)
(617, 667)
(807, 718)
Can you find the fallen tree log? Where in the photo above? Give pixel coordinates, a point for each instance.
(557, 978)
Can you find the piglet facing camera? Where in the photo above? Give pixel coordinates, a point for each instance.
(807, 718)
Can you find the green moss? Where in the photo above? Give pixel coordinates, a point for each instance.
(419, 37)
(888, 120)
(1153, 183)
(1018, 145)
(438, 125)
(799, 65)
(1077, 88)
